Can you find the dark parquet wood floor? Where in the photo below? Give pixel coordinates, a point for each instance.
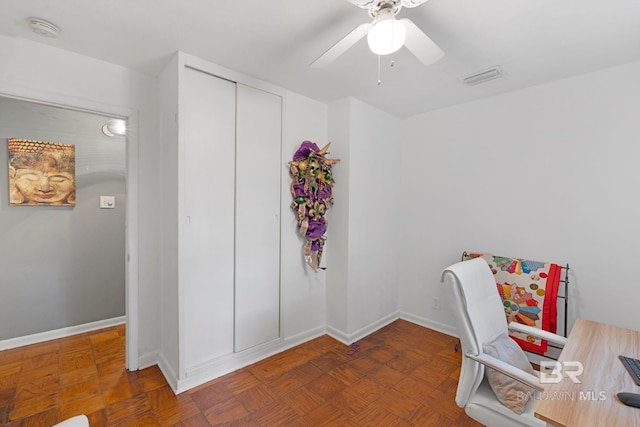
(401, 375)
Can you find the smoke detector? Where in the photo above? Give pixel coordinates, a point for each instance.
(43, 28)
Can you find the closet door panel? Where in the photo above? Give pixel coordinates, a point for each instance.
(207, 239)
(257, 229)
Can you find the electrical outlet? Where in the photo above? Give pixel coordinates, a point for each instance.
(435, 303)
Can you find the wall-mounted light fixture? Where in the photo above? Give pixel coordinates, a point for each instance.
(115, 127)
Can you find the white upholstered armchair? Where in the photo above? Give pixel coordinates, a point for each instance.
(510, 382)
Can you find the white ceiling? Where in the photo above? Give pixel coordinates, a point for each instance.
(534, 41)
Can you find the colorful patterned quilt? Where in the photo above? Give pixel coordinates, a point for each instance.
(529, 291)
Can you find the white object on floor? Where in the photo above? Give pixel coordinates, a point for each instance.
(77, 421)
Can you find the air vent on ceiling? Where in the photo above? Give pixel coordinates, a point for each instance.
(43, 28)
(483, 76)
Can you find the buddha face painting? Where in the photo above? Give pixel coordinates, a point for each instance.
(41, 173)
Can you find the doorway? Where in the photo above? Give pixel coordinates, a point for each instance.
(73, 265)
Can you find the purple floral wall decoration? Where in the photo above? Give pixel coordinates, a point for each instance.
(311, 184)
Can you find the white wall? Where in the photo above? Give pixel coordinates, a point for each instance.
(339, 123)
(547, 173)
(303, 290)
(375, 215)
(363, 277)
(40, 72)
(169, 302)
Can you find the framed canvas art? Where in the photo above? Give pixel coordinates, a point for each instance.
(41, 173)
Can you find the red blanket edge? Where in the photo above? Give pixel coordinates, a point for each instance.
(549, 311)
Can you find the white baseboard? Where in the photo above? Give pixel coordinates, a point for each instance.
(223, 365)
(169, 374)
(430, 324)
(149, 359)
(215, 368)
(304, 337)
(337, 334)
(349, 339)
(60, 333)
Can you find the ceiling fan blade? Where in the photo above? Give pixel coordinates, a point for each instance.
(412, 3)
(365, 4)
(341, 47)
(420, 44)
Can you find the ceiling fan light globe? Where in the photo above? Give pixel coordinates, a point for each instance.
(386, 36)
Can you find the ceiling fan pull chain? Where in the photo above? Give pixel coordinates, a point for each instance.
(379, 80)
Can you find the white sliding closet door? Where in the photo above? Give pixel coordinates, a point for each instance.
(207, 238)
(257, 227)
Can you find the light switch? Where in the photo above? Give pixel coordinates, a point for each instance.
(107, 202)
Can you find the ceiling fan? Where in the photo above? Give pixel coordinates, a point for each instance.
(386, 34)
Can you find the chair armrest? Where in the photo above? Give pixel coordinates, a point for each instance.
(510, 371)
(539, 333)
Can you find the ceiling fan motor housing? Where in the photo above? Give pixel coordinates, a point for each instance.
(374, 6)
(385, 7)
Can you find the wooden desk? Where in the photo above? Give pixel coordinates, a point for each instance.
(593, 402)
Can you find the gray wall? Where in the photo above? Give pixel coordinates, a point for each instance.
(62, 266)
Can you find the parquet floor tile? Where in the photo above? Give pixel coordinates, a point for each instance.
(401, 375)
